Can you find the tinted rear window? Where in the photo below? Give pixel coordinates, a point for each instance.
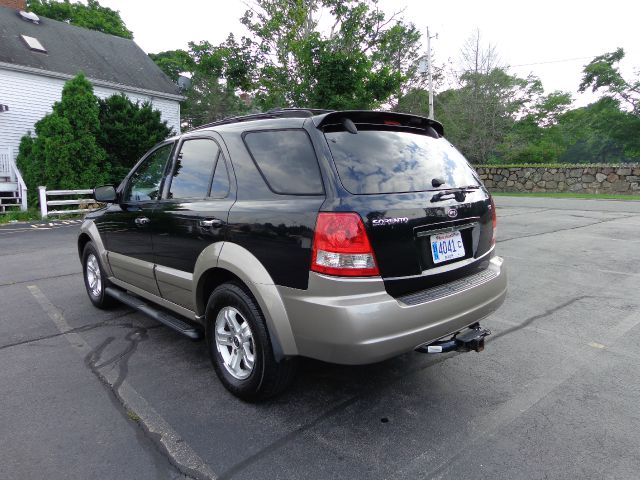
(386, 161)
(286, 160)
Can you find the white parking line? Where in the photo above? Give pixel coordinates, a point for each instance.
(181, 453)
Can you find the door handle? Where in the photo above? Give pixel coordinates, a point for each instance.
(214, 222)
(141, 221)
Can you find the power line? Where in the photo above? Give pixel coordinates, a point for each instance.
(506, 67)
(551, 61)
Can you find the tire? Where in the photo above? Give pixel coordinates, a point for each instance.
(240, 347)
(95, 279)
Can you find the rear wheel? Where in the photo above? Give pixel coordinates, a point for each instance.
(95, 279)
(240, 347)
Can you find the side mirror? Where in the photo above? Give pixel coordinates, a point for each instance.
(105, 194)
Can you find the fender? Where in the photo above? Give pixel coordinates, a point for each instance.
(89, 228)
(243, 264)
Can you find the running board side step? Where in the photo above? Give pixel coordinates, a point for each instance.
(163, 317)
(470, 339)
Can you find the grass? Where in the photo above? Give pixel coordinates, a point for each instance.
(133, 416)
(558, 165)
(589, 196)
(30, 216)
(19, 216)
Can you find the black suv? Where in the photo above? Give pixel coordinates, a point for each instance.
(345, 236)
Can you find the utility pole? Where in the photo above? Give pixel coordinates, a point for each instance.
(429, 37)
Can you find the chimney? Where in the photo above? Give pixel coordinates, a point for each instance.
(15, 4)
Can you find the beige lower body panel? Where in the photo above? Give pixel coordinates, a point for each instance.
(176, 286)
(355, 321)
(134, 272)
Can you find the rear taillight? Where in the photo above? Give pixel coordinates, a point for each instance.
(341, 246)
(494, 221)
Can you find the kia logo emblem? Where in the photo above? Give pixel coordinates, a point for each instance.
(453, 213)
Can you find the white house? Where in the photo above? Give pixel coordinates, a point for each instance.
(38, 55)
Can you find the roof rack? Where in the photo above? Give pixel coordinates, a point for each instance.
(274, 113)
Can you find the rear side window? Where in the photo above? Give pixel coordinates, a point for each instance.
(193, 169)
(220, 183)
(393, 161)
(287, 161)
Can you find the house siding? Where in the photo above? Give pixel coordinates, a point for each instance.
(30, 97)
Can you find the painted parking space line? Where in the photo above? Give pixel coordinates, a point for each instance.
(179, 451)
(10, 229)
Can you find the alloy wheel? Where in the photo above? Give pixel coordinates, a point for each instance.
(235, 343)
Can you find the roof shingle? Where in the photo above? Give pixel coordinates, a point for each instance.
(73, 49)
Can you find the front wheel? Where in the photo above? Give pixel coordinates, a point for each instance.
(240, 347)
(95, 279)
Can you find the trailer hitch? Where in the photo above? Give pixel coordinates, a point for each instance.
(470, 339)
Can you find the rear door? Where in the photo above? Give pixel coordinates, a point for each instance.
(427, 215)
(192, 214)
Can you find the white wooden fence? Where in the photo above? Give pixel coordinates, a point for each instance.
(82, 202)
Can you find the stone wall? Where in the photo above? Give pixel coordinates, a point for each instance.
(618, 179)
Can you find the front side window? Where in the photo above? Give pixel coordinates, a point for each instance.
(193, 169)
(144, 183)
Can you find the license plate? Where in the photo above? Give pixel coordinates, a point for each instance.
(446, 246)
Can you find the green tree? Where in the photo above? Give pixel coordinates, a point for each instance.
(127, 131)
(600, 133)
(537, 137)
(174, 62)
(602, 73)
(481, 105)
(209, 100)
(92, 15)
(361, 63)
(478, 115)
(65, 153)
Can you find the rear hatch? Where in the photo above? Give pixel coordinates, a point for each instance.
(427, 215)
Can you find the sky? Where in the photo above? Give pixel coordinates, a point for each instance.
(551, 39)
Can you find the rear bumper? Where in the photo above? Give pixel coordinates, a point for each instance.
(355, 321)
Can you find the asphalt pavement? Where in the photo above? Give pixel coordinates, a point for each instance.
(86, 393)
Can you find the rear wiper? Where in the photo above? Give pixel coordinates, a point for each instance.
(459, 193)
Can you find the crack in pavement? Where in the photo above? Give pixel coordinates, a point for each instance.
(566, 229)
(31, 280)
(281, 442)
(164, 439)
(532, 319)
(519, 213)
(83, 328)
(337, 409)
(491, 423)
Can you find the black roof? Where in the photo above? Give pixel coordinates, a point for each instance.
(275, 113)
(71, 50)
(322, 118)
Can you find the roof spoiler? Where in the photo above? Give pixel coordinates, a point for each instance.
(381, 118)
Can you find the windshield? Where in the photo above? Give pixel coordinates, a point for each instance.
(387, 161)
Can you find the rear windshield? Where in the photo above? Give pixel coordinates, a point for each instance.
(388, 161)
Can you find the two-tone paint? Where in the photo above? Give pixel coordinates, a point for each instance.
(162, 251)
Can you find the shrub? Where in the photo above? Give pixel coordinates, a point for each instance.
(64, 154)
